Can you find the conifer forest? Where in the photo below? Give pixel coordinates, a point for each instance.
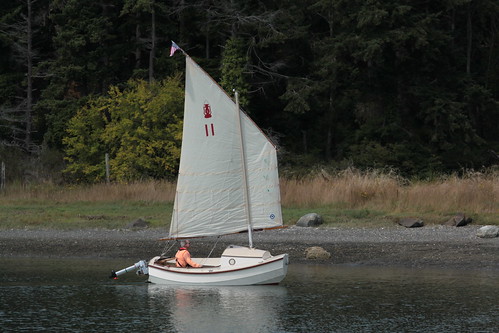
(410, 86)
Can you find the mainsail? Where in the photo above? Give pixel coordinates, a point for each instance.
(210, 198)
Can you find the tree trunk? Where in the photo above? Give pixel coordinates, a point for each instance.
(329, 138)
(29, 88)
(207, 37)
(469, 36)
(137, 47)
(182, 28)
(304, 140)
(153, 44)
(330, 116)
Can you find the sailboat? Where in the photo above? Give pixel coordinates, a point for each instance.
(228, 183)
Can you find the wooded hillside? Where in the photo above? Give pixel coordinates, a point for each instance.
(407, 85)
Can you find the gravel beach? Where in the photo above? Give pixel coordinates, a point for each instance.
(429, 246)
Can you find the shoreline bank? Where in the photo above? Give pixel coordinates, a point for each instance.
(426, 247)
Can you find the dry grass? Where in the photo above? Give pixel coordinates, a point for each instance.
(350, 187)
(151, 191)
(381, 193)
(473, 193)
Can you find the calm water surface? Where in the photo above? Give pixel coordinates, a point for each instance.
(37, 295)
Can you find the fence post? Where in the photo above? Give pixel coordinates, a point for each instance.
(2, 176)
(107, 168)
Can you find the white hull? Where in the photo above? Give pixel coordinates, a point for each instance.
(238, 266)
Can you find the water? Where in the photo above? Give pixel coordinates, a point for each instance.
(36, 295)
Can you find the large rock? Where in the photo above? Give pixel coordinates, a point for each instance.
(317, 252)
(458, 221)
(411, 222)
(488, 231)
(310, 220)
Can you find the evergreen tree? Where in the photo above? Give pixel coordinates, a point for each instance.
(19, 28)
(88, 56)
(412, 85)
(233, 68)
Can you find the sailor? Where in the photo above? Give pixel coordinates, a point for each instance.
(183, 257)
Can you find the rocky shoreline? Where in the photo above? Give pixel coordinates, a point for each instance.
(427, 247)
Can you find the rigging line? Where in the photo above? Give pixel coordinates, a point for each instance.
(165, 251)
(209, 254)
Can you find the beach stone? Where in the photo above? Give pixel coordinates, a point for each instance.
(317, 252)
(458, 221)
(310, 220)
(488, 231)
(411, 222)
(138, 224)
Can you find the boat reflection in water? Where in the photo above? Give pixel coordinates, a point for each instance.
(219, 308)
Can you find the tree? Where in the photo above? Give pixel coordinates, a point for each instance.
(389, 75)
(88, 55)
(233, 69)
(18, 115)
(139, 8)
(412, 85)
(139, 126)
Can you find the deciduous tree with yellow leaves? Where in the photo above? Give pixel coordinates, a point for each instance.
(139, 126)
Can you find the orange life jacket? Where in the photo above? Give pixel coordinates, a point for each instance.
(183, 258)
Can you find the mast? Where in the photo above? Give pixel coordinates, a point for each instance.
(245, 178)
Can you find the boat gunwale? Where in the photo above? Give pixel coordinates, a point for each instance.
(193, 271)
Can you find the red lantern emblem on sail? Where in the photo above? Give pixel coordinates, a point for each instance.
(208, 129)
(207, 110)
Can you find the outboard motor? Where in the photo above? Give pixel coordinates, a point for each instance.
(140, 266)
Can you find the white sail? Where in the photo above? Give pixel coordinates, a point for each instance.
(210, 198)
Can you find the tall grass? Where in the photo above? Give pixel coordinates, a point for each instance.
(472, 193)
(351, 188)
(150, 191)
(349, 194)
